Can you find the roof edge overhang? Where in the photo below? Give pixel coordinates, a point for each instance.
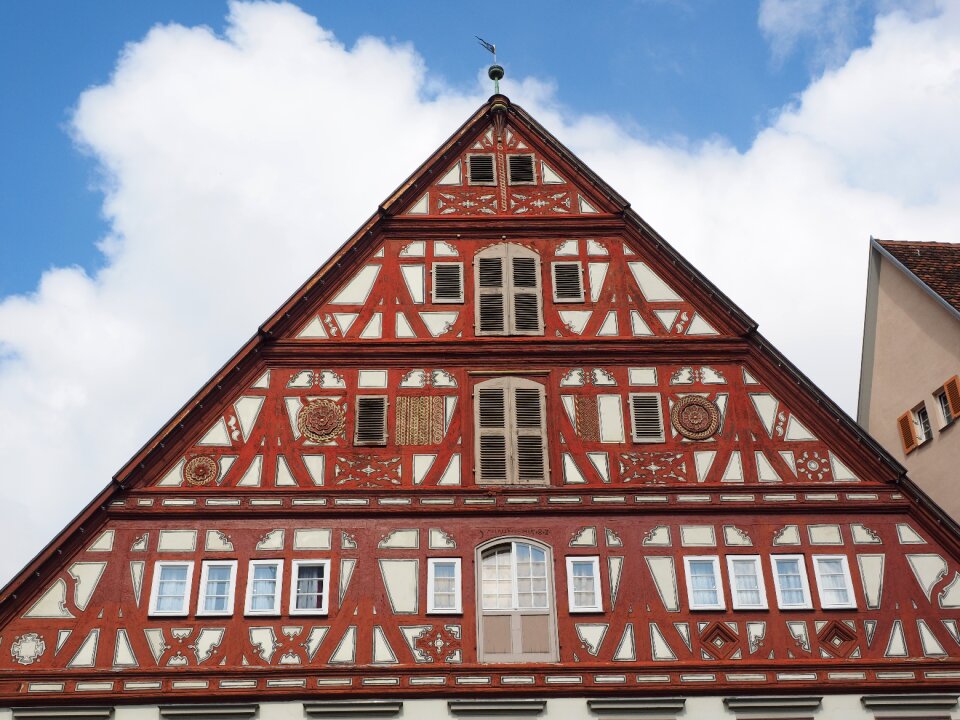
(875, 243)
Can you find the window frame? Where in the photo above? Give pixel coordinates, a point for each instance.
(295, 566)
(943, 402)
(921, 433)
(553, 276)
(594, 560)
(278, 599)
(807, 603)
(533, 169)
(457, 563)
(761, 583)
(433, 283)
(493, 159)
(851, 604)
(202, 588)
(155, 587)
(718, 581)
(356, 420)
(510, 384)
(633, 425)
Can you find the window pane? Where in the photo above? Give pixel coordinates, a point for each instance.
(310, 584)
(791, 583)
(703, 583)
(746, 583)
(217, 590)
(264, 590)
(833, 581)
(172, 588)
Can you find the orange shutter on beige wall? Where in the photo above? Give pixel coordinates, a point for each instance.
(951, 389)
(907, 434)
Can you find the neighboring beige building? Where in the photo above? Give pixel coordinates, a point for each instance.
(909, 390)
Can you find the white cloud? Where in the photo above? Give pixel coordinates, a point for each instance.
(831, 25)
(234, 166)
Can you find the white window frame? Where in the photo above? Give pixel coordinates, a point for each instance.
(594, 560)
(248, 605)
(761, 584)
(533, 166)
(470, 181)
(851, 604)
(457, 608)
(807, 603)
(155, 587)
(433, 284)
(922, 437)
(202, 589)
(718, 581)
(294, 579)
(553, 276)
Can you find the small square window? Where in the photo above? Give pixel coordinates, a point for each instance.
(520, 170)
(263, 587)
(172, 582)
(480, 170)
(833, 582)
(371, 420)
(646, 418)
(218, 580)
(790, 582)
(448, 282)
(310, 592)
(443, 586)
(746, 582)
(583, 584)
(704, 590)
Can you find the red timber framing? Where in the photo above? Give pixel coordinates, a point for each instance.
(669, 440)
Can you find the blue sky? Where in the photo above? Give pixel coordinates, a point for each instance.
(665, 70)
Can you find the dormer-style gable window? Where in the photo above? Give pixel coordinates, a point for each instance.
(511, 439)
(508, 291)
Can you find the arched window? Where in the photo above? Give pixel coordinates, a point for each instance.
(517, 619)
(508, 293)
(510, 432)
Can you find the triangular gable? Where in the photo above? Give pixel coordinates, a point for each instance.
(553, 188)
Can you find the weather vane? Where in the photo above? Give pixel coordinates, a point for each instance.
(495, 72)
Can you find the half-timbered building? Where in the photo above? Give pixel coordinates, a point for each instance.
(505, 453)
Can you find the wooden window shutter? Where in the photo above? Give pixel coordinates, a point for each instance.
(951, 389)
(525, 281)
(908, 435)
(530, 435)
(646, 417)
(480, 170)
(567, 282)
(371, 420)
(492, 429)
(520, 169)
(448, 282)
(490, 296)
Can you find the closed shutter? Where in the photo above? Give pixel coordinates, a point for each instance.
(952, 390)
(526, 295)
(447, 282)
(480, 170)
(531, 448)
(371, 420)
(567, 282)
(908, 435)
(492, 430)
(646, 417)
(520, 169)
(490, 296)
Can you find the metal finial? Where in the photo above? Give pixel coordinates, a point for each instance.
(495, 72)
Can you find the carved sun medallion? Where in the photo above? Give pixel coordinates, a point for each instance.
(695, 417)
(321, 420)
(200, 470)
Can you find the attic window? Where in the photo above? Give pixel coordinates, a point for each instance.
(520, 169)
(646, 417)
(371, 426)
(567, 282)
(508, 291)
(480, 170)
(448, 282)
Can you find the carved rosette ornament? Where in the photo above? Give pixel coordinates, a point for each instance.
(321, 420)
(695, 417)
(200, 470)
